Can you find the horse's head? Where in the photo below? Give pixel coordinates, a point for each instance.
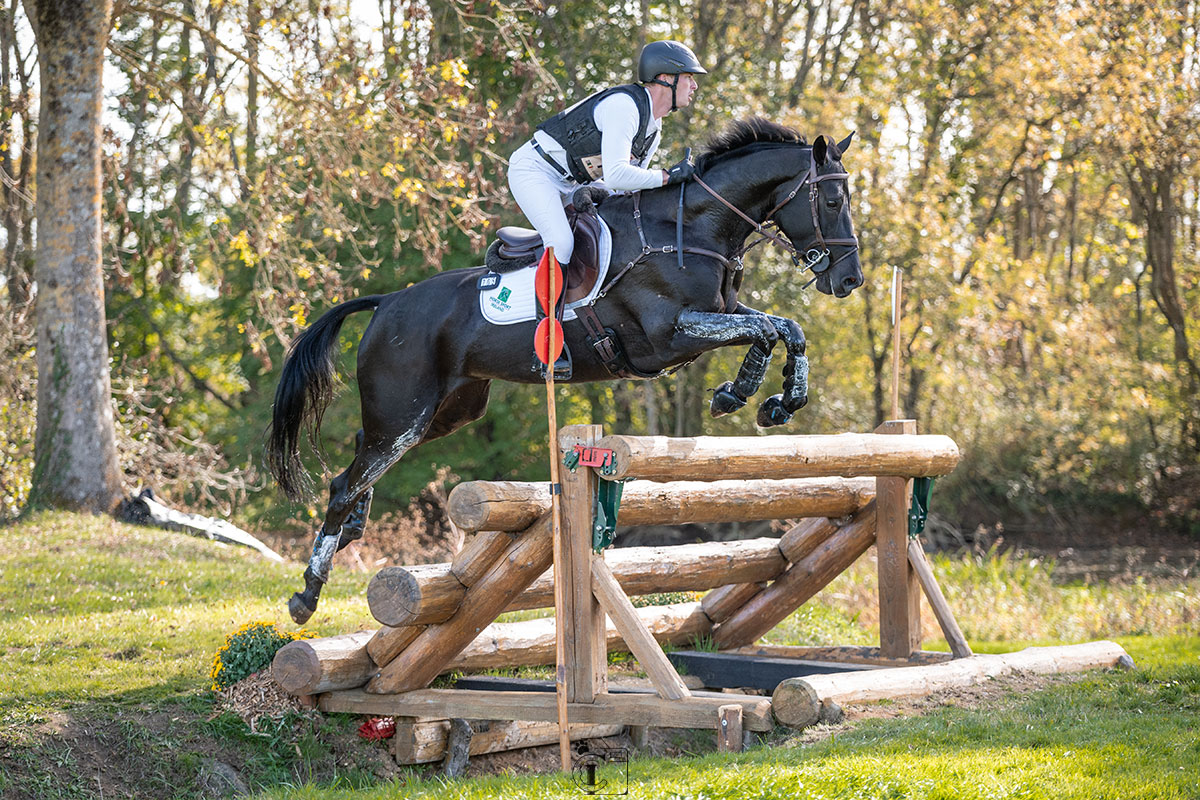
(817, 221)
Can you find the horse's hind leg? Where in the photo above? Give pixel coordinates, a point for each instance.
(349, 492)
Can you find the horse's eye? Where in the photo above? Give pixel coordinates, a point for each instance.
(833, 203)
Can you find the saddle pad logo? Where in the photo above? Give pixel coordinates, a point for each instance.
(505, 293)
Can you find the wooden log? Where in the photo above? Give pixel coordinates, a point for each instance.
(729, 730)
(508, 505)
(477, 557)
(436, 645)
(937, 601)
(842, 654)
(387, 643)
(659, 458)
(899, 591)
(797, 701)
(804, 537)
(424, 593)
(424, 742)
(721, 603)
(800, 582)
(531, 642)
(313, 666)
(633, 708)
(643, 646)
(416, 595)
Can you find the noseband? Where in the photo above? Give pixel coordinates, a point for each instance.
(816, 257)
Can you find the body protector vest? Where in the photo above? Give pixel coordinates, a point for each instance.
(575, 129)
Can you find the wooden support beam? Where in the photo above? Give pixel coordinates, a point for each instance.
(401, 596)
(841, 654)
(799, 582)
(721, 603)
(804, 537)
(899, 591)
(436, 645)
(388, 642)
(937, 601)
(480, 552)
(797, 701)
(776, 457)
(425, 742)
(633, 708)
(508, 505)
(647, 651)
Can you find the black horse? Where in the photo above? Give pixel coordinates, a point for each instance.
(427, 358)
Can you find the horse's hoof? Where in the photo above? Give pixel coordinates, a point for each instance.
(725, 400)
(772, 412)
(299, 609)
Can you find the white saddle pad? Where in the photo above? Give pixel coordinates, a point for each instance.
(513, 300)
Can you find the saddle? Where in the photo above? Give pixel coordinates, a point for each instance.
(516, 248)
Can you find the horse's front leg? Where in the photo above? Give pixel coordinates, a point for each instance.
(716, 330)
(778, 409)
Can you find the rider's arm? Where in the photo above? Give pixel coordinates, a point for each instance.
(617, 119)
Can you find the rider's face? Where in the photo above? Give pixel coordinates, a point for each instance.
(685, 90)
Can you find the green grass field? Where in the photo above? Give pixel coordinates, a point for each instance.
(108, 632)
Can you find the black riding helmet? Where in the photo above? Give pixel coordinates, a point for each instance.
(670, 58)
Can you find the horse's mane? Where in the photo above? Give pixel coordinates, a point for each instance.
(744, 133)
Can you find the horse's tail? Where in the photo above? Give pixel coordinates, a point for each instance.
(304, 391)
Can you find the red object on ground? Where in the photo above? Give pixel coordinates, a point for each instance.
(541, 340)
(377, 728)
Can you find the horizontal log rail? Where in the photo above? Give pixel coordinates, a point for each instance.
(660, 458)
(512, 505)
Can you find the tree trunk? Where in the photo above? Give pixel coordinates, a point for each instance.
(75, 456)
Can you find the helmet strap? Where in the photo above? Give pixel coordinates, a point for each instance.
(673, 86)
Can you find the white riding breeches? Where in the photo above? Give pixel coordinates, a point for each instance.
(542, 195)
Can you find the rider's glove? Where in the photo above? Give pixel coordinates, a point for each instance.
(683, 171)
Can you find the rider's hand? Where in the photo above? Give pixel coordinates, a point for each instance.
(683, 171)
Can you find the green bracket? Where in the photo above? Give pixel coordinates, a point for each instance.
(919, 510)
(604, 518)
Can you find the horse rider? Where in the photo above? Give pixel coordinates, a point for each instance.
(606, 139)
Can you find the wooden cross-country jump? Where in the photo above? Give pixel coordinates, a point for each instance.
(850, 491)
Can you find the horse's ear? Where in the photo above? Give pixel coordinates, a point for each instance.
(844, 144)
(820, 149)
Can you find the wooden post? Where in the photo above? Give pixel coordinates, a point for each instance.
(937, 601)
(899, 590)
(729, 729)
(587, 657)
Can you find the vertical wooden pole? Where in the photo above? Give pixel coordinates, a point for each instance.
(586, 647)
(729, 729)
(897, 288)
(899, 589)
(560, 602)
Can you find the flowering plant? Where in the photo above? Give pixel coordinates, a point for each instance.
(248, 650)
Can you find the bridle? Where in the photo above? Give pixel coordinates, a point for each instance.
(816, 257)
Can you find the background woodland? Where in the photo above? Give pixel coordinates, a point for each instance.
(1030, 167)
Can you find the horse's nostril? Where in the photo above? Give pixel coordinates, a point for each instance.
(851, 282)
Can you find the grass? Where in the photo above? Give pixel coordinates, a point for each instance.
(107, 633)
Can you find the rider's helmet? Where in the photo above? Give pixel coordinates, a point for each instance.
(670, 58)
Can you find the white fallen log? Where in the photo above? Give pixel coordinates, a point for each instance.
(797, 702)
(143, 509)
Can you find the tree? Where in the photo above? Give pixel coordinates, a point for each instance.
(75, 460)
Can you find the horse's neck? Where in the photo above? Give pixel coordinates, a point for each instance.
(749, 184)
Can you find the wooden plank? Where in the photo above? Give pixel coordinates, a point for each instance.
(737, 671)
(899, 591)
(437, 645)
(480, 553)
(778, 457)
(697, 711)
(587, 661)
(848, 654)
(510, 505)
(797, 700)
(937, 601)
(387, 643)
(804, 537)
(425, 742)
(729, 729)
(800, 582)
(647, 652)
